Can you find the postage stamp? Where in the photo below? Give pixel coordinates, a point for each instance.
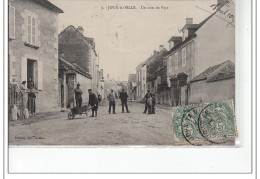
(205, 124)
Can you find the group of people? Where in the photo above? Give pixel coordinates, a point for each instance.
(149, 102)
(93, 101)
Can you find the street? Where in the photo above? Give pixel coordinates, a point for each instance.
(135, 128)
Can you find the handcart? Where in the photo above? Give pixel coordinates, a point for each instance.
(79, 111)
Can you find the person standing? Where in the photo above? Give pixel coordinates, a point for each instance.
(24, 100)
(147, 95)
(93, 102)
(78, 93)
(123, 96)
(112, 101)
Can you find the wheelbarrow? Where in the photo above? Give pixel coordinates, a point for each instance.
(79, 111)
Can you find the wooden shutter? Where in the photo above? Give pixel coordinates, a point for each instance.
(24, 70)
(40, 76)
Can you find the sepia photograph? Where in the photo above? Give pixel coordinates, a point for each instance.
(121, 73)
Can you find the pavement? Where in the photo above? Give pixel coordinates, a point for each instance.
(135, 128)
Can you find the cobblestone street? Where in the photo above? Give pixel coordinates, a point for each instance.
(135, 128)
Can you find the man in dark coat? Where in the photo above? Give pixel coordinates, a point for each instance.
(78, 93)
(147, 95)
(123, 96)
(93, 102)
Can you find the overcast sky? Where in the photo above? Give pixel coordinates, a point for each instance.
(125, 38)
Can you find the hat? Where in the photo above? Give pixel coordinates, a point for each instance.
(89, 89)
(23, 82)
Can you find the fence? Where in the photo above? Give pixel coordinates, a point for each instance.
(15, 97)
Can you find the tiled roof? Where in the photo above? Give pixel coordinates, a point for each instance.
(221, 71)
(49, 5)
(69, 66)
(88, 40)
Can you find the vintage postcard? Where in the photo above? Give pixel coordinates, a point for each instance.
(85, 72)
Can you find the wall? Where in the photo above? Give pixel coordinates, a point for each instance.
(139, 82)
(144, 86)
(47, 54)
(203, 91)
(215, 42)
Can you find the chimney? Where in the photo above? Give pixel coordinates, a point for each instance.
(161, 47)
(80, 30)
(154, 52)
(189, 20)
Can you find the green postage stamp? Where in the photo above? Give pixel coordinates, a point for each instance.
(205, 124)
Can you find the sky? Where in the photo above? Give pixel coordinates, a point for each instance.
(126, 37)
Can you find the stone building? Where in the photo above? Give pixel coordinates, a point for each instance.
(33, 49)
(157, 76)
(69, 75)
(75, 48)
(203, 45)
(215, 48)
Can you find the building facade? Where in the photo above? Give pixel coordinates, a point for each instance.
(69, 76)
(139, 81)
(33, 49)
(157, 76)
(79, 50)
(199, 50)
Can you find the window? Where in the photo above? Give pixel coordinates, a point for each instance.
(31, 30)
(11, 22)
(176, 60)
(183, 57)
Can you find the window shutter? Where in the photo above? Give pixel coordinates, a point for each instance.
(40, 79)
(24, 70)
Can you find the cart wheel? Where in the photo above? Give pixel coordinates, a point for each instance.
(71, 115)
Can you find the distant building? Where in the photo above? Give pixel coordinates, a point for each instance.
(74, 47)
(131, 87)
(101, 85)
(139, 81)
(33, 50)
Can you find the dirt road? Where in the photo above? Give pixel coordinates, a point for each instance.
(133, 128)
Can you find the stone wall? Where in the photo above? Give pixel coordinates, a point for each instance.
(203, 91)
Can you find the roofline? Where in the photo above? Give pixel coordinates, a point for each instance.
(81, 71)
(180, 45)
(49, 5)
